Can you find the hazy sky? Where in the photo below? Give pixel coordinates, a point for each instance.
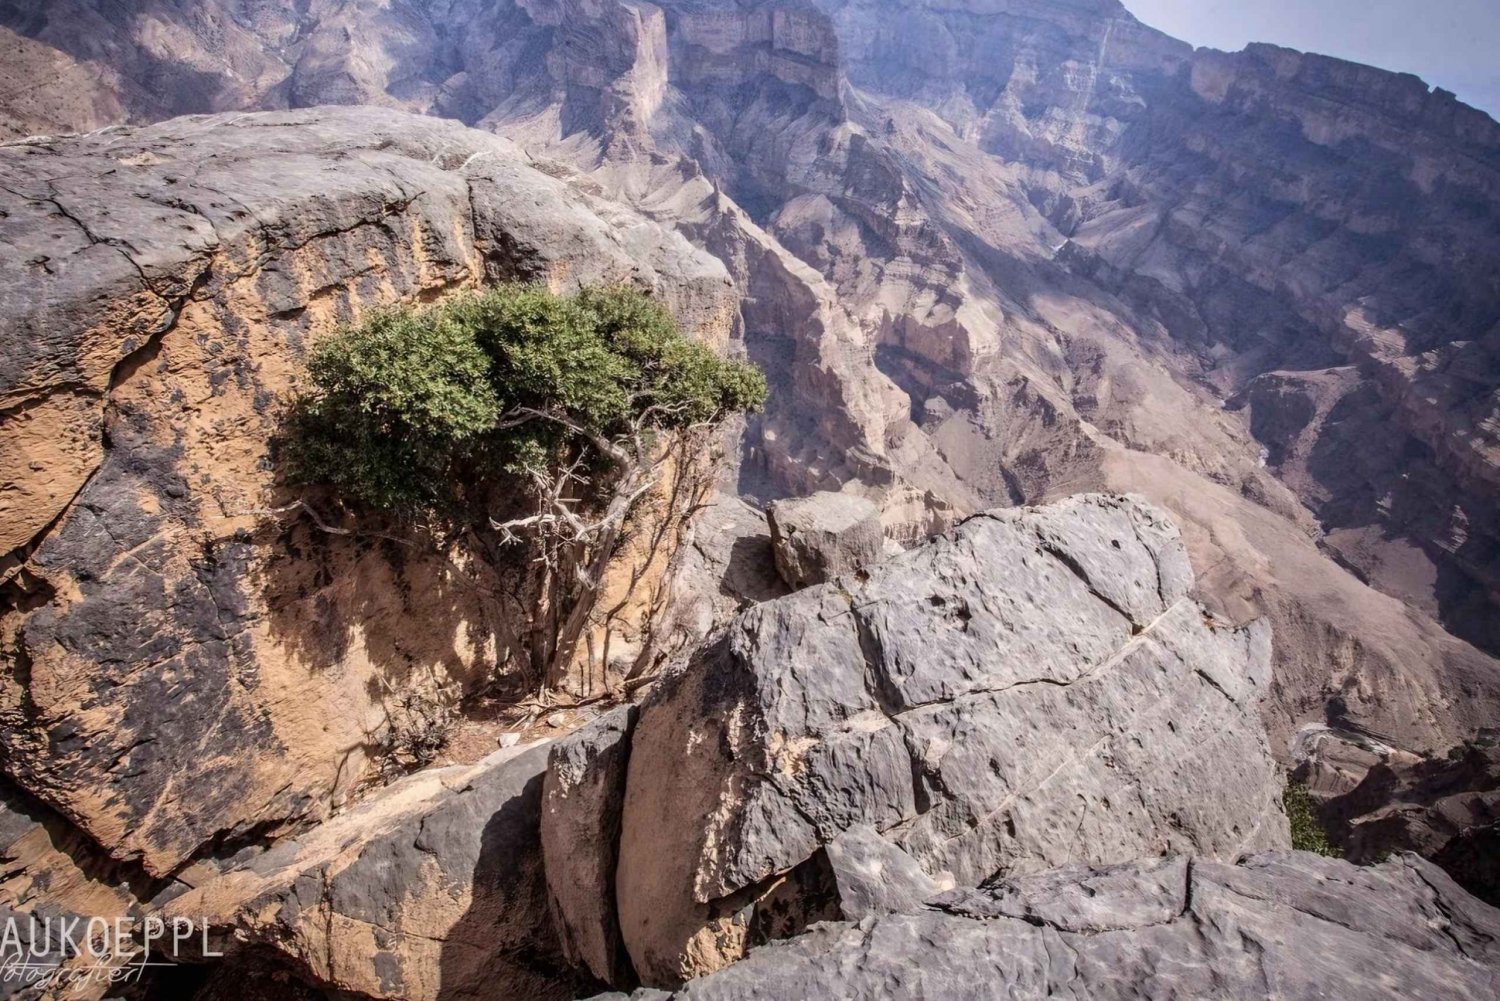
(1453, 44)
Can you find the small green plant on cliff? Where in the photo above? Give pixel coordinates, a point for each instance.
(1308, 833)
(450, 411)
(396, 402)
(408, 406)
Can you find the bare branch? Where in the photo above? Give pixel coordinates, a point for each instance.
(518, 416)
(561, 520)
(305, 508)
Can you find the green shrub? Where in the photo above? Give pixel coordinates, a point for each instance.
(395, 401)
(1308, 833)
(411, 408)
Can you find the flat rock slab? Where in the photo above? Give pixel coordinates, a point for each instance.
(876, 877)
(1290, 926)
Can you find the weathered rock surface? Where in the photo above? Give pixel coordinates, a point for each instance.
(51, 874)
(1292, 926)
(1034, 688)
(254, 982)
(989, 253)
(725, 565)
(874, 876)
(818, 538)
(435, 889)
(985, 250)
(582, 802)
(182, 670)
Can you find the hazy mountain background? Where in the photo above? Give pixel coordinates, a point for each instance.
(1449, 43)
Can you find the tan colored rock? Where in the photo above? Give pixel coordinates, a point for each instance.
(1375, 801)
(193, 667)
(52, 873)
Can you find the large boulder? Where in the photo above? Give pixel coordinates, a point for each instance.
(182, 668)
(434, 889)
(1032, 689)
(1291, 926)
(817, 538)
(728, 566)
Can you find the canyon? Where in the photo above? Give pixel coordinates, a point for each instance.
(1003, 262)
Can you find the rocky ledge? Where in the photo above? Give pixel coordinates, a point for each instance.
(1290, 926)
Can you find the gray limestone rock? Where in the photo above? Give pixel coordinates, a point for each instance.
(582, 797)
(1290, 926)
(726, 566)
(817, 538)
(876, 877)
(1032, 689)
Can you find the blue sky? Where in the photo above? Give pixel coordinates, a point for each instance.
(1453, 44)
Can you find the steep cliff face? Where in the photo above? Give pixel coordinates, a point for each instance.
(191, 658)
(1001, 251)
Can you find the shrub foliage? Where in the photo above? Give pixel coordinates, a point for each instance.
(412, 408)
(1308, 832)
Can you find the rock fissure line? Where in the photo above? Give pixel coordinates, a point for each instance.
(1135, 642)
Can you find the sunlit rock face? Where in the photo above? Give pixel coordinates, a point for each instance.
(1032, 688)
